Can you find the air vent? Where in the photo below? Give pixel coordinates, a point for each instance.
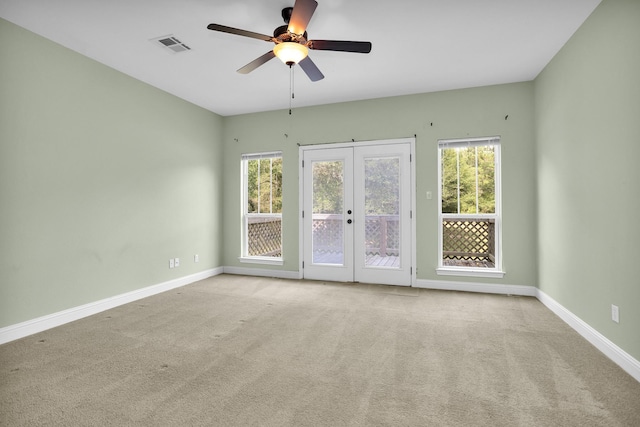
(171, 43)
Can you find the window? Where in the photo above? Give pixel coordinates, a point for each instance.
(262, 208)
(469, 214)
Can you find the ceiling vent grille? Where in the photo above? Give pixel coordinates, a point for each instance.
(172, 43)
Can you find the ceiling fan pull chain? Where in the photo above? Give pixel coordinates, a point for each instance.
(291, 94)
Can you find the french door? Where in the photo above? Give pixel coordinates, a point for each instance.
(357, 214)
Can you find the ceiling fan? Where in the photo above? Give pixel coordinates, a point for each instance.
(291, 42)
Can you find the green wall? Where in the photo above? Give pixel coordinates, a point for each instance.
(588, 138)
(102, 180)
(454, 114)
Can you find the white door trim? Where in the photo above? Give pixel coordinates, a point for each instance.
(301, 149)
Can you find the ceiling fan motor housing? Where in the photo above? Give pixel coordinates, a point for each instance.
(282, 34)
(286, 14)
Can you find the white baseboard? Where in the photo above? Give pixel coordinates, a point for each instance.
(612, 351)
(33, 326)
(615, 353)
(262, 272)
(485, 288)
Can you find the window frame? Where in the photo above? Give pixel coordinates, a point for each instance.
(497, 270)
(246, 216)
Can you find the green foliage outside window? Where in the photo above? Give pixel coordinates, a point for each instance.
(264, 185)
(382, 190)
(468, 180)
(382, 186)
(328, 183)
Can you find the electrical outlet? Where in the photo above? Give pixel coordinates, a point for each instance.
(177, 262)
(171, 263)
(196, 258)
(615, 313)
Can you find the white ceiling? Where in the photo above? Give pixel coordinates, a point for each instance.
(418, 45)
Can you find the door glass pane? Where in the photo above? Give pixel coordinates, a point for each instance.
(382, 212)
(328, 197)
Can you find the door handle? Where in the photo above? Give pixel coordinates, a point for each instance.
(349, 221)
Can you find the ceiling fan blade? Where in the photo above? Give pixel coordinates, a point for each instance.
(257, 62)
(301, 15)
(340, 46)
(311, 70)
(245, 33)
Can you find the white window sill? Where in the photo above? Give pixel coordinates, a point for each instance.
(470, 272)
(262, 260)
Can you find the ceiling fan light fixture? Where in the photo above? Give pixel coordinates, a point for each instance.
(290, 52)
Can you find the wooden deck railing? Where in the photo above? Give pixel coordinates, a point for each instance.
(469, 239)
(463, 238)
(381, 234)
(264, 236)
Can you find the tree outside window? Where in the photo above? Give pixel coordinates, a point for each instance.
(470, 207)
(262, 216)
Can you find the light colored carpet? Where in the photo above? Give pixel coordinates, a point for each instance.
(242, 351)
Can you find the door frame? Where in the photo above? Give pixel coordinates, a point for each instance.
(301, 150)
